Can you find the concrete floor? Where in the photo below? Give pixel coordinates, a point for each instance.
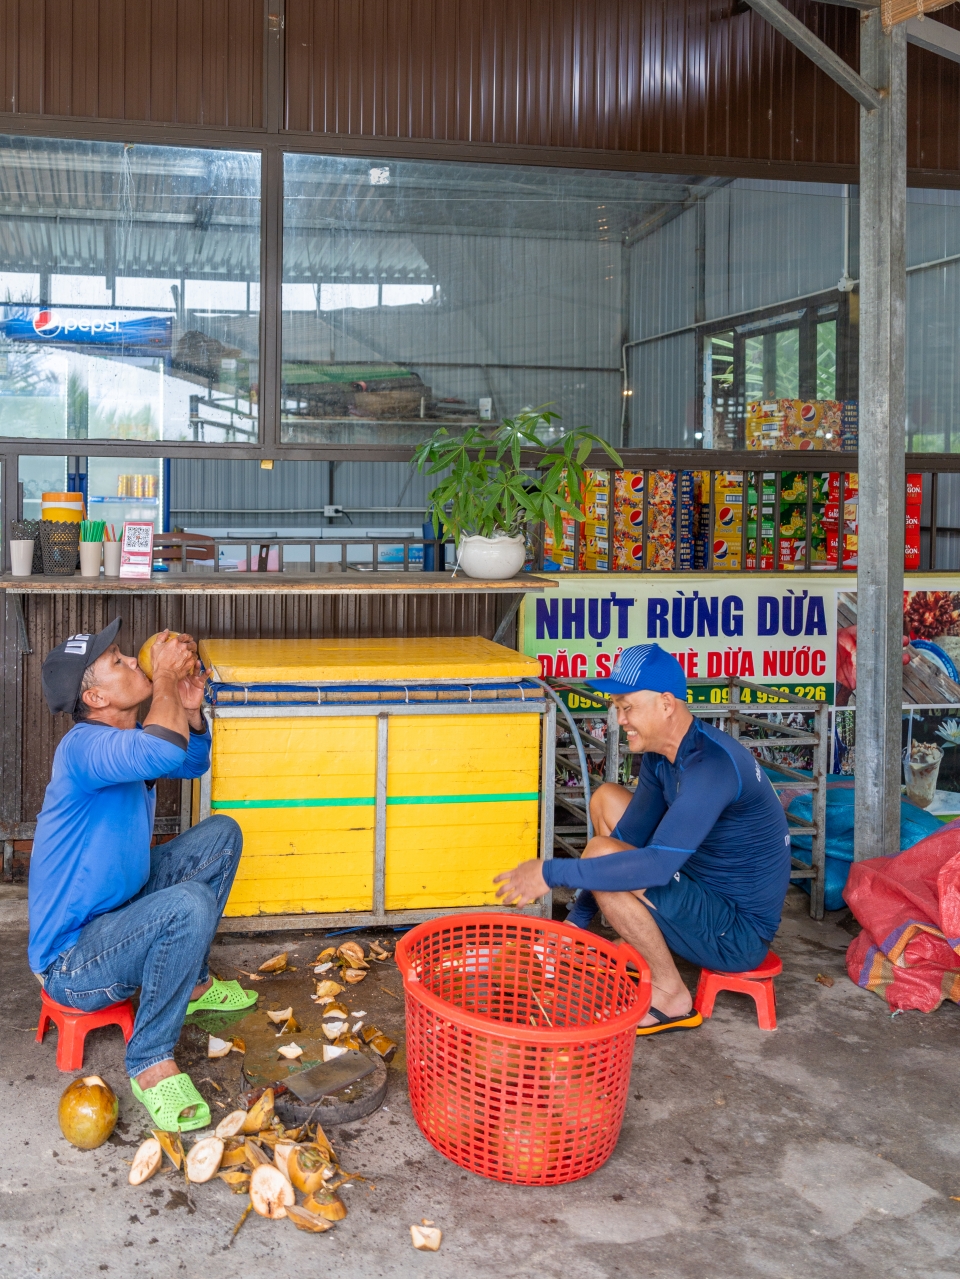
(828, 1148)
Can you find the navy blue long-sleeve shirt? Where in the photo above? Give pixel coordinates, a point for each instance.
(91, 852)
(713, 812)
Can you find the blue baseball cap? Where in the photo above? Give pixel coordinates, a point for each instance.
(644, 666)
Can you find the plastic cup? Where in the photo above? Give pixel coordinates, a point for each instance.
(90, 556)
(111, 559)
(921, 780)
(21, 557)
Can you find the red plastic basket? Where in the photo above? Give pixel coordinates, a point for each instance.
(520, 1038)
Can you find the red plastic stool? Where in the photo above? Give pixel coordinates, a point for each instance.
(758, 984)
(74, 1026)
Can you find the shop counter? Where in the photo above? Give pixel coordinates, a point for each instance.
(375, 780)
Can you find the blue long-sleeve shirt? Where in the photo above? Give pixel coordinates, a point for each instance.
(712, 811)
(91, 851)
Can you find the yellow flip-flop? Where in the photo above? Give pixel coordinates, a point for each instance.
(689, 1021)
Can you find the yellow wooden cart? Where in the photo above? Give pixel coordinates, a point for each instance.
(376, 781)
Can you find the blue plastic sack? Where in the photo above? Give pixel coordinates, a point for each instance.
(915, 824)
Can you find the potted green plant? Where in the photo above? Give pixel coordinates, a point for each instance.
(488, 493)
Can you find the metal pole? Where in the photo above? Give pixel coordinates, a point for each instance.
(883, 198)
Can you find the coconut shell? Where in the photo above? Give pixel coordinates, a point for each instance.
(377, 951)
(353, 975)
(260, 1113)
(328, 989)
(231, 1124)
(309, 1221)
(203, 1160)
(370, 1032)
(383, 1046)
(256, 1155)
(322, 1142)
(234, 1158)
(144, 660)
(277, 964)
(290, 1051)
(350, 950)
(171, 1145)
(281, 1155)
(237, 1180)
(329, 953)
(309, 1169)
(270, 1192)
(334, 1028)
(346, 1039)
(88, 1112)
(219, 1047)
(326, 1204)
(426, 1238)
(146, 1161)
(331, 1050)
(282, 1017)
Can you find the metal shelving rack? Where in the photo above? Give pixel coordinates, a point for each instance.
(604, 763)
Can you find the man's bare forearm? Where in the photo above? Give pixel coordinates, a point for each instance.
(166, 709)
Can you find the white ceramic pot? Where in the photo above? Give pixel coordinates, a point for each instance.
(492, 557)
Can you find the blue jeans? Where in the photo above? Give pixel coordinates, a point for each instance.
(158, 943)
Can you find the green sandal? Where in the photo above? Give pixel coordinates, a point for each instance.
(223, 997)
(167, 1100)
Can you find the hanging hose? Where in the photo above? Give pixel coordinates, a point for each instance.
(580, 752)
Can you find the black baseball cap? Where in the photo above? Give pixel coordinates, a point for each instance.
(64, 665)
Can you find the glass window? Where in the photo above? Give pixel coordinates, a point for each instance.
(129, 291)
(424, 294)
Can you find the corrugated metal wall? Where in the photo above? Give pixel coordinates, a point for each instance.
(238, 495)
(176, 61)
(695, 78)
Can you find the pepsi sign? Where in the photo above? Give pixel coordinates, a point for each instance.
(73, 328)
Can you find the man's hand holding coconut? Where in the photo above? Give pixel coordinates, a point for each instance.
(109, 915)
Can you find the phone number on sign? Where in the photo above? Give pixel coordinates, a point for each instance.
(761, 697)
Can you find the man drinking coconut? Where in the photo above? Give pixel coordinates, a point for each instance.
(108, 914)
(695, 861)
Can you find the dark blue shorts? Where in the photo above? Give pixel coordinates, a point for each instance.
(705, 928)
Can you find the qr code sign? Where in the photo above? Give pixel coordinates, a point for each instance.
(138, 537)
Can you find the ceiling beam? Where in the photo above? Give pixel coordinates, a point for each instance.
(794, 30)
(935, 36)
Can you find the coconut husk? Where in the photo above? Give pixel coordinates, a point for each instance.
(203, 1160)
(310, 1221)
(290, 1027)
(323, 1143)
(351, 950)
(277, 964)
(234, 1158)
(260, 1113)
(309, 1169)
(377, 952)
(330, 1051)
(426, 1238)
(281, 1155)
(146, 1161)
(231, 1124)
(171, 1145)
(290, 1051)
(236, 1179)
(270, 1192)
(369, 1032)
(328, 989)
(238, 1045)
(255, 1154)
(326, 1204)
(383, 1046)
(219, 1047)
(346, 1039)
(353, 975)
(329, 953)
(281, 1017)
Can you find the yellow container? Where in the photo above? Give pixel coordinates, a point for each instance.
(67, 508)
(462, 787)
